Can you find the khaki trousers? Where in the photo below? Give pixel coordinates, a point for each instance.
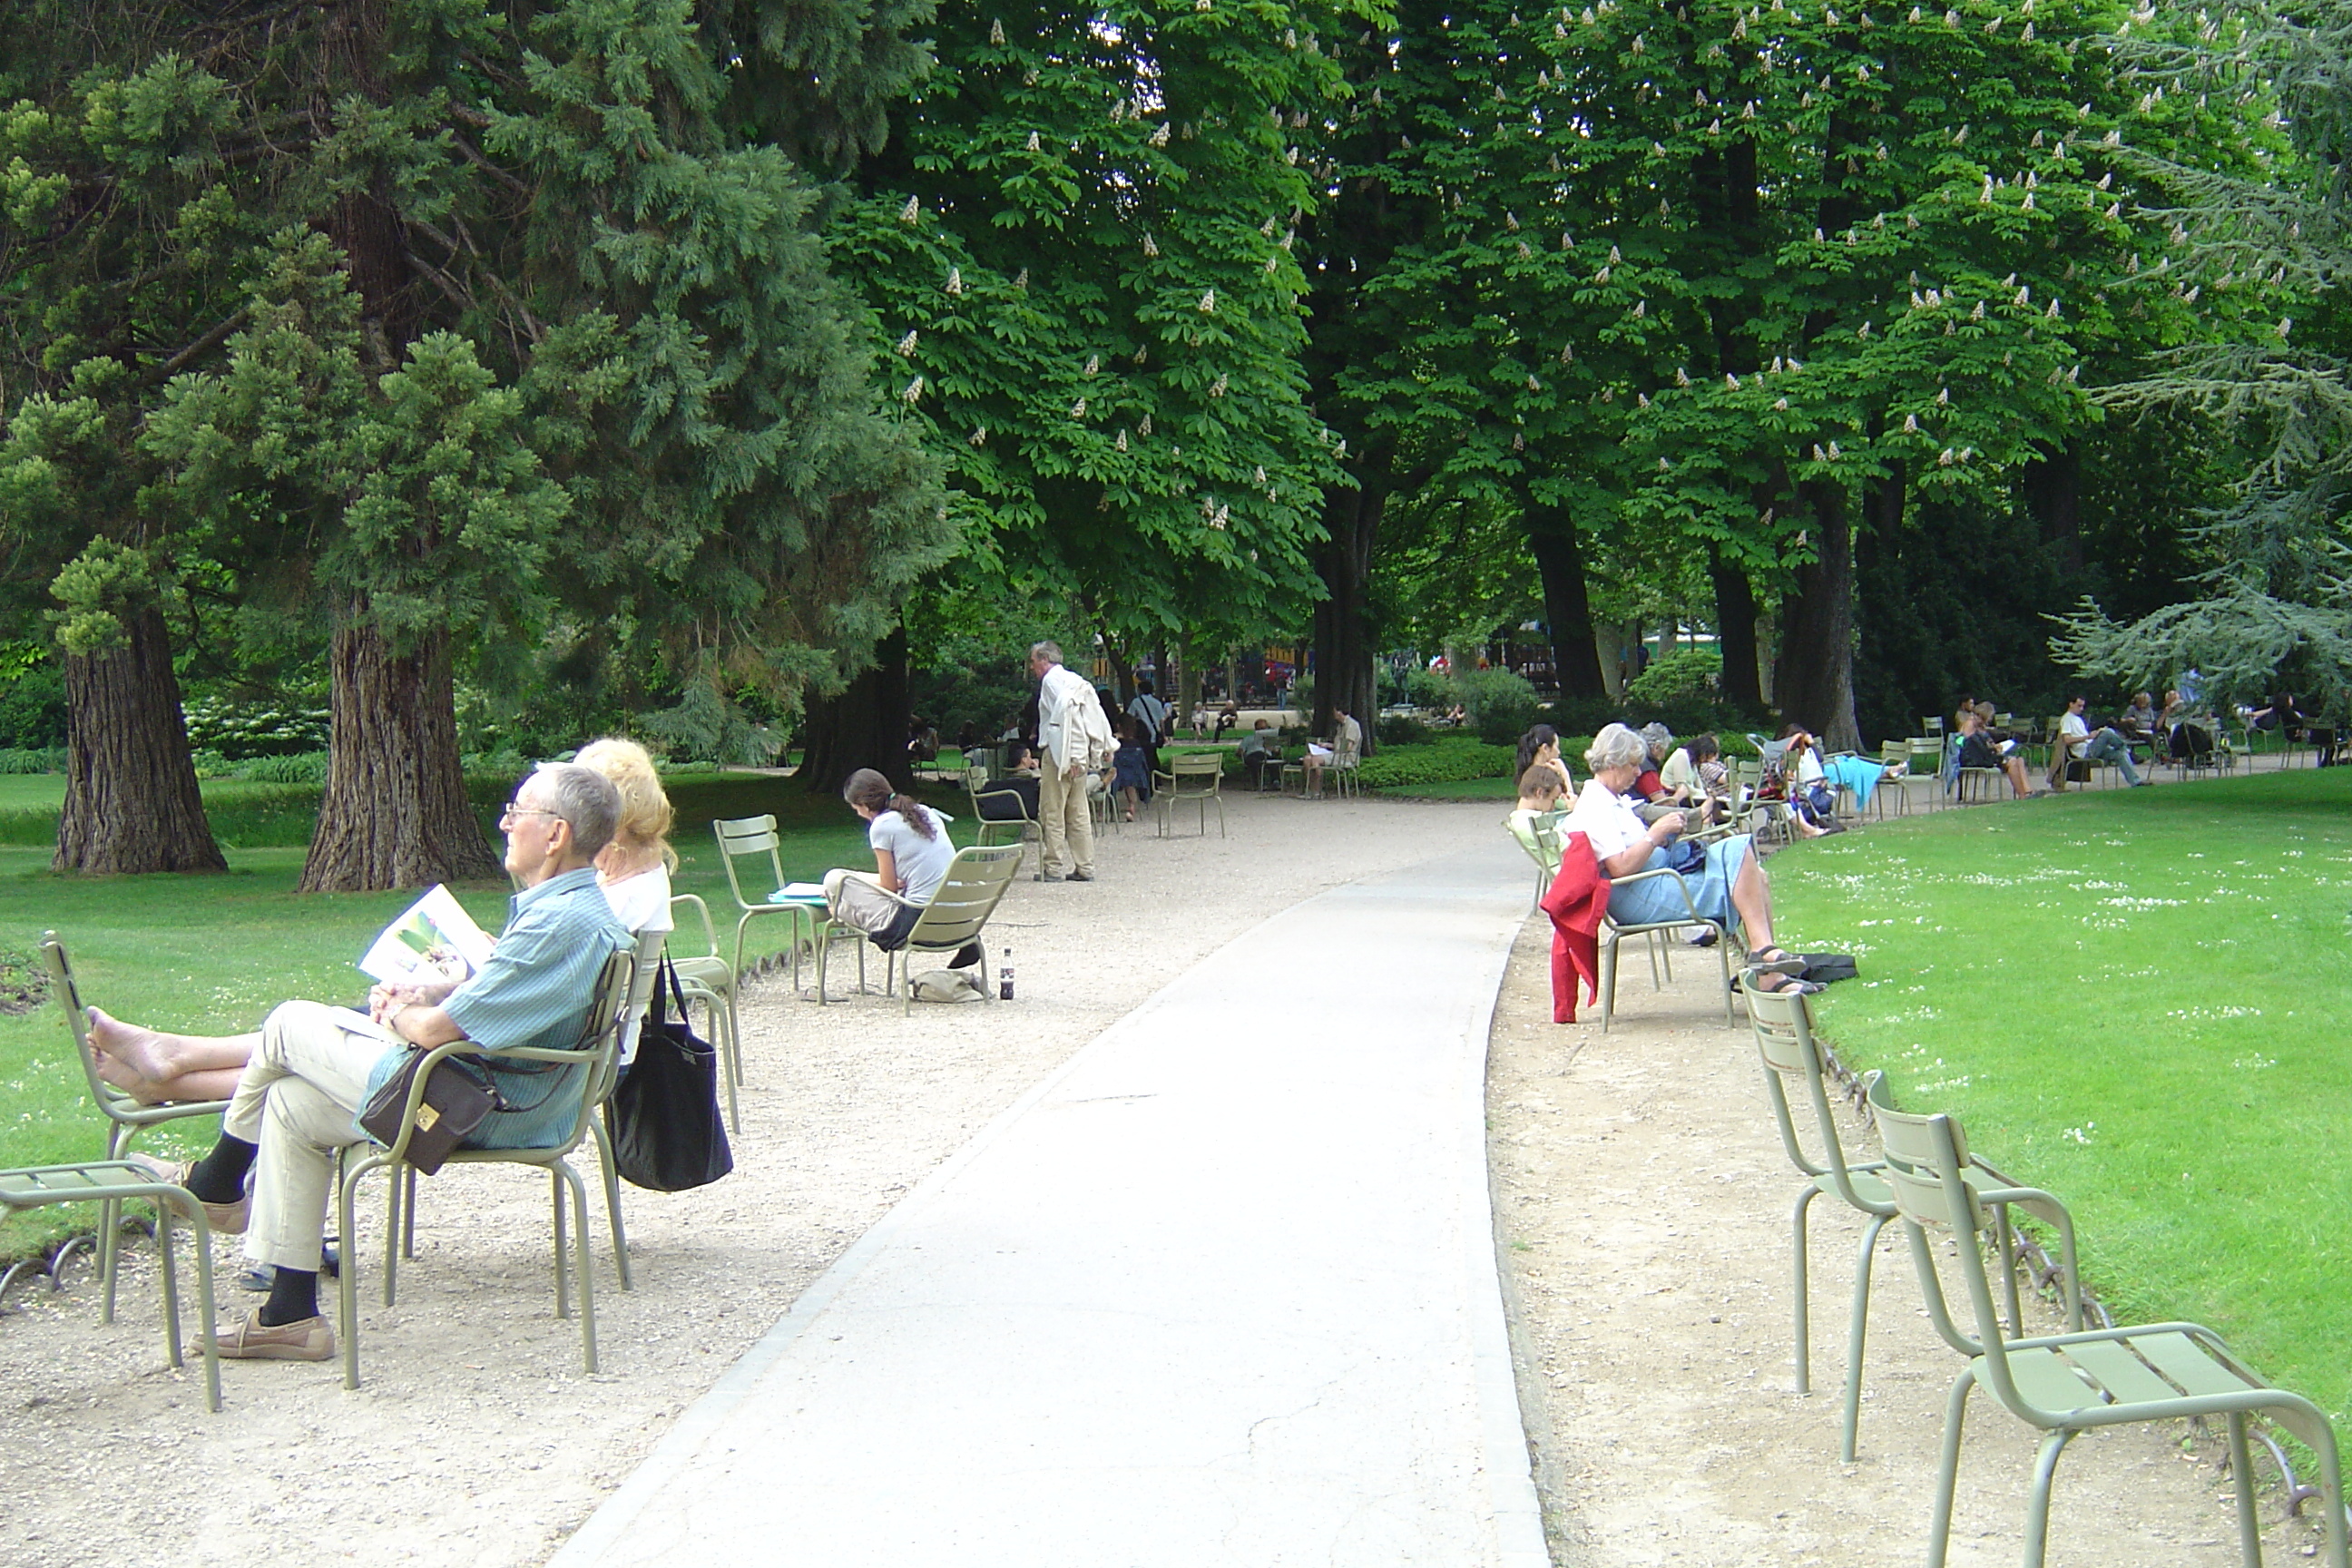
(1069, 825)
(305, 1083)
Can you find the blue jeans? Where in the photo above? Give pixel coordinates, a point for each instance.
(2109, 746)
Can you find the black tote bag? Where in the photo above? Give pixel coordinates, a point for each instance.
(664, 1116)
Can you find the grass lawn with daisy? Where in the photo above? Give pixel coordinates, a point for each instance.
(2139, 1000)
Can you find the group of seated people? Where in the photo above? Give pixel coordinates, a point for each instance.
(1724, 878)
(1261, 751)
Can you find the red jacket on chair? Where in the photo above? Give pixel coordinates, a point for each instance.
(1578, 899)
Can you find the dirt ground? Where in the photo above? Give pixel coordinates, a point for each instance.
(1643, 1203)
(475, 1438)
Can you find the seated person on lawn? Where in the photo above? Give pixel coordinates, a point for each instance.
(2077, 743)
(313, 1067)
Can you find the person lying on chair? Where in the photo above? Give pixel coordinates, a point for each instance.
(313, 1067)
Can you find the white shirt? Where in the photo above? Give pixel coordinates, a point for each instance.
(920, 864)
(1809, 767)
(1070, 723)
(641, 903)
(1607, 820)
(2072, 730)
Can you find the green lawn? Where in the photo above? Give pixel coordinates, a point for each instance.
(214, 954)
(2134, 999)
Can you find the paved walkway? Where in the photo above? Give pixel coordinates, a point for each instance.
(1220, 1291)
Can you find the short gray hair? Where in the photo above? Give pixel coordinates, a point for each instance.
(1048, 650)
(1615, 747)
(583, 797)
(1657, 736)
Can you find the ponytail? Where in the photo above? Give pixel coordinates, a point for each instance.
(871, 790)
(917, 816)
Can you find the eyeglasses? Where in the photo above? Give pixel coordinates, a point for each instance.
(516, 808)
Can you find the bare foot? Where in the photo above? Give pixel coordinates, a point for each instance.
(145, 1053)
(114, 1071)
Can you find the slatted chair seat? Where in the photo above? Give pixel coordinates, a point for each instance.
(1195, 776)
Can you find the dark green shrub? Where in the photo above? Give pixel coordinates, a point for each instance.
(33, 710)
(1452, 760)
(1401, 730)
(241, 729)
(32, 760)
(1499, 705)
(301, 767)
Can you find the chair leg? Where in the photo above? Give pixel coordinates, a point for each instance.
(347, 1278)
(1947, 1468)
(2242, 1473)
(408, 1214)
(612, 1199)
(562, 1294)
(2037, 1502)
(171, 1281)
(1802, 1291)
(205, 1309)
(391, 1208)
(1608, 983)
(730, 1052)
(1723, 951)
(110, 1225)
(567, 1176)
(1856, 1334)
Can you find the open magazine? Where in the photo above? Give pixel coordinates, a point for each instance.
(436, 939)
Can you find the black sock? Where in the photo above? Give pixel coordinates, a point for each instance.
(293, 1295)
(219, 1176)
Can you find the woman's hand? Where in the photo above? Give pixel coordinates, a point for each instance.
(1666, 828)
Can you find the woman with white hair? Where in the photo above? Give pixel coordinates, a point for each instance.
(1724, 880)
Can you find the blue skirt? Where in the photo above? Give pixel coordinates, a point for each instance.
(1654, 902)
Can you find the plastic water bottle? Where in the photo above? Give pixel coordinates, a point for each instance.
(1004, 977)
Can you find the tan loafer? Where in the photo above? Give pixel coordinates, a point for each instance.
(226, 1220)
(307, 1339)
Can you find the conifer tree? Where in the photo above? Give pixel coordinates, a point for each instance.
(473, 325)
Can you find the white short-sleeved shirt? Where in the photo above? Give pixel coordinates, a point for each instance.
(1607, 820)
(1679, 774)
(1809, 767)
(641, 903)
(921, 863)
(2071, 726)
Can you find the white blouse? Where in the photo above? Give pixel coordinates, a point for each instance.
(1607, 820)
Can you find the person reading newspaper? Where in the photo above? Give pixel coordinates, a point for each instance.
(312, 1067)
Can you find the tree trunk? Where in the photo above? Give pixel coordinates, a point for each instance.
(865, 726)
(1734, 631)
(1187, 696)
(1559, 561)
(396, 813)
(1814, 679)
(131, 801)
(2053, 487)
(1344, 677)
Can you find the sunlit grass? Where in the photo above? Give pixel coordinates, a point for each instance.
(2137, 999)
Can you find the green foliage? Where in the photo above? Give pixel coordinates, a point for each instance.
(1499, 705)
(1079, 251)
(32, 760)
(237, 729)
(1445, 761)
(1684, 673)
(32, 708)
(301, 767)
(1426, 689)
(1401, 730)
(2189, 1112)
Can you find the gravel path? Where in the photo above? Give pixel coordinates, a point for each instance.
(1642, 1202)
(475, 1439)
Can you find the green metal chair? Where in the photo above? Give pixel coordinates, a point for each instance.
(125, 1116)
(968, 894)
(1783, 1023)
(111, 1184)
(1542, 845)
(977, 782)
(709, 979)
(1195, 776)
(747, 838)
(596, 1061)
(2062, 1385)
(1614, 933)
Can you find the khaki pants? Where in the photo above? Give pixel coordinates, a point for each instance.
(305, 1083)
(1069, 825)
(857, 899)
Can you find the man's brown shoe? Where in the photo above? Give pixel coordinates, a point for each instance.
(305, 1339)
(226, 1220)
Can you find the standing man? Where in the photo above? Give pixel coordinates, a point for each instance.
(1075, 742)
(1148, 711)
(2075, 742)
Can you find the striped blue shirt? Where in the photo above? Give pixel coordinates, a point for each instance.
(536, 990)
